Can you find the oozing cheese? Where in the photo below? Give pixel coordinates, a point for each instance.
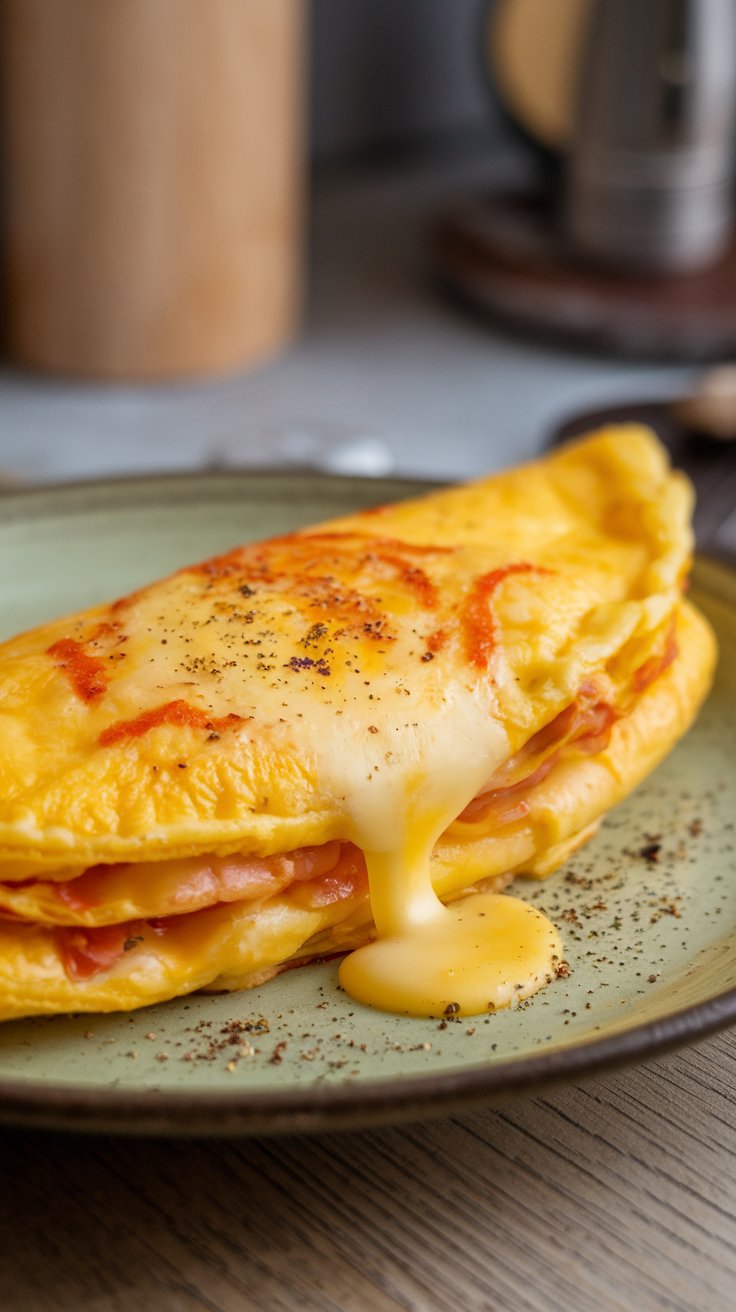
(477, 955)
(361, 682)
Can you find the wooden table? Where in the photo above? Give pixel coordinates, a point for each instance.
(617, 1195)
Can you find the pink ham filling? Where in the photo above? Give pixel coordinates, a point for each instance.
(203, 881)
(333, 872)
(586, 724)
(87, 952)
(318, 877)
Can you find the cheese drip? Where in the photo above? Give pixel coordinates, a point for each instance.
(479, 954)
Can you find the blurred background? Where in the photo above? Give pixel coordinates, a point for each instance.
(359, 235)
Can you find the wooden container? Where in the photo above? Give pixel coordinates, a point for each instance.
(153, 153)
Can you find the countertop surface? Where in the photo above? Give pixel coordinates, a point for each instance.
(386, 376)
(614, 1197)
(617, 1195)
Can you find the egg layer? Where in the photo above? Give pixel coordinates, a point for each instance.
(211, 762)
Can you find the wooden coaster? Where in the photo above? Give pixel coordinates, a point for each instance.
(503, 254)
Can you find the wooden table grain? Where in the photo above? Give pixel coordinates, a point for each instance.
(618, 1196)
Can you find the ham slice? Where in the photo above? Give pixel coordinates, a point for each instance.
(315, 876)
(193, 882)
(585, 724)
(87, 952)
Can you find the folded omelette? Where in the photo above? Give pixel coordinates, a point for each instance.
(197, 780)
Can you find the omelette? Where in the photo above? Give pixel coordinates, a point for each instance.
(347, 739)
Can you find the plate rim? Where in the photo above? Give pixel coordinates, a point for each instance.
(98, 1109)
(120, 482)
(208, 1114)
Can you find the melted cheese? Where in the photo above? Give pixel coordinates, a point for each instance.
(479, 954)
(485, 952)
(475, 956)
(361, 682)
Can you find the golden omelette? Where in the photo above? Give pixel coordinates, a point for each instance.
(298, 747)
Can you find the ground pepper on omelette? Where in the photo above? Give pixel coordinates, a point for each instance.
(275, 754)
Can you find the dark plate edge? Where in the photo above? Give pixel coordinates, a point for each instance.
(149, 1112)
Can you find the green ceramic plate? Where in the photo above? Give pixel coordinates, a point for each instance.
(648, 910)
